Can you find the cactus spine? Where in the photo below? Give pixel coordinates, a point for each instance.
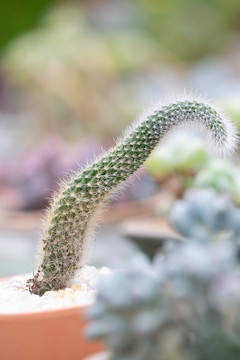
(73, 213)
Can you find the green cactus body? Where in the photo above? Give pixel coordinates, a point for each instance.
(74, 211)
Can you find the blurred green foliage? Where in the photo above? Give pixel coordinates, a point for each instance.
(19, 16)
(184, 29)
(232, 108)
(185, 154)
(190, 29)
(78, 77)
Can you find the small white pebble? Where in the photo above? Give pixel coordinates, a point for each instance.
(105, 270)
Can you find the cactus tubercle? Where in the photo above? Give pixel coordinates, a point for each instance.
(74, 211)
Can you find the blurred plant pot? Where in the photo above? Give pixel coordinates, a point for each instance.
(149, 234)
(46, 335)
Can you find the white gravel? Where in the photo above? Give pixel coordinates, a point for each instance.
(14, 298)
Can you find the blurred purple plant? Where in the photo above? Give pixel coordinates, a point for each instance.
(35, 174)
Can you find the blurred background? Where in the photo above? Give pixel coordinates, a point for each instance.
(73, 75)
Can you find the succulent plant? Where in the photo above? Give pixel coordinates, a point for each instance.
(184, 306)
(74, 211)
(185, 154)
(222, 175)
(205, 215)
(231, 105)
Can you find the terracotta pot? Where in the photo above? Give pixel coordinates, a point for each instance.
(46, 335)
(149, 233)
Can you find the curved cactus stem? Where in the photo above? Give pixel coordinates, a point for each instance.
(74, 211)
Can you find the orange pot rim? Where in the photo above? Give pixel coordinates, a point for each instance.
(41, 313)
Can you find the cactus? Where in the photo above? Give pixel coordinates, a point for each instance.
(184, 306)
(74, 211)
